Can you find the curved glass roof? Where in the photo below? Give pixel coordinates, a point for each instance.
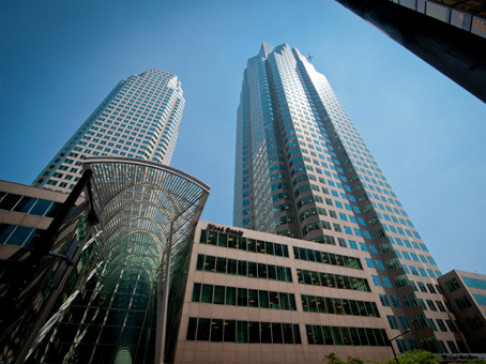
(137, 201)
(141, 207)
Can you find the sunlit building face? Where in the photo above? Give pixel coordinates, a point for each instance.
(303, 171)
(138, 119)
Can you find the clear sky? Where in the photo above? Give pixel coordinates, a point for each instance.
(59, 59)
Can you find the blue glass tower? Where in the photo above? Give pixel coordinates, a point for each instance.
(303, 171)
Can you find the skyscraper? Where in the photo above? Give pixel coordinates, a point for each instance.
(303, 171)
(129, 251)
(138, 119)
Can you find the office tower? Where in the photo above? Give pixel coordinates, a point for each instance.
(448, 35)
(466, 295)
(303, 171)
(138, 119)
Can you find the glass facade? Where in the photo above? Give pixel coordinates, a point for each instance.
(237, 242)
(235, 296)
(112, 310)
(254, 332)
(356, 336)
(22, 308)
(339, 306)
(18, 235)
(303, 171)
(224, 265)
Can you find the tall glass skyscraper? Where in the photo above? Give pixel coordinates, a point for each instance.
(138, 119)
(303, 171)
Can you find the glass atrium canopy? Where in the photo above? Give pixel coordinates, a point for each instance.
(147, 216)
(134, 197)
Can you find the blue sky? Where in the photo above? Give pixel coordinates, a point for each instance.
(59, 59)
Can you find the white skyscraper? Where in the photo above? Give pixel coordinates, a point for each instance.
(138, 119)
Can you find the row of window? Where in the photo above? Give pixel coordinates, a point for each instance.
(339, 306)
(272, 248)
(265, 247)
(28, 205)
(327, 258)
(219, 330)
(243, 268)
(452, 285)
(474, 282)
(246, 244)
(257, 246)
(355, 336)
(268, 271)
(480, 299)
(332, 280)
(233, 296)
(463, 302)
(16, 235)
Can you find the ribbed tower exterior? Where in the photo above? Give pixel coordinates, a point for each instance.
(303, 171)
(138, 119)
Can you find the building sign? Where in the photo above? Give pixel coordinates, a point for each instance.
(445, 358)
(226, 230)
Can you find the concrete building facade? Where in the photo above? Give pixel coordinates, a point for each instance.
(249, 299)
(466, 297)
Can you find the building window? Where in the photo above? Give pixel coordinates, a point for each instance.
(235, 296)
(241, 243)
(452, 285)
(474, 282)
(339, 306)
(16, 235)
(356, 336)
(240, 267)
(463, 302)
(327, 258)
(221, 330)
(332, 280)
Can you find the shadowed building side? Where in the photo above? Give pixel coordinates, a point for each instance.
(451, 38)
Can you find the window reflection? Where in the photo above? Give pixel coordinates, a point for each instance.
(217, 330)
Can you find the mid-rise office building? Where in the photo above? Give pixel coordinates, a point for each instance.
(138, 119)
(254, 297)
(26, 215)
(24, 211)
(466, 297)
(303, 171)
(449, 35)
